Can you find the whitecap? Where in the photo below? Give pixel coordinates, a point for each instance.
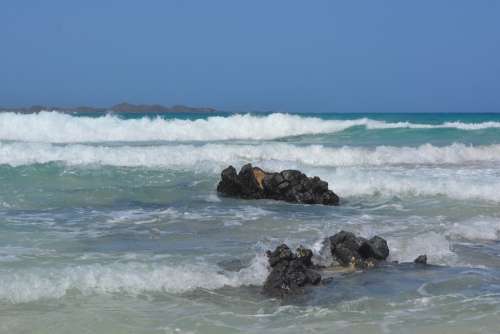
(209, 156)
(64, 128)
(133, 278)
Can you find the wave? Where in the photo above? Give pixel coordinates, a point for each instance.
(435, 245)
(479, 229)
(461, 184)
(57, 127)
(426, 170)
(446, 125)
(219, 155)
(127, 278)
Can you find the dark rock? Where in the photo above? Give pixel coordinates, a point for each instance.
(230, 184)
(290, 272)
(305, 255)
(313, 276)
(249, 184)
(280, 254)
(375, 248)
(288, 185)
(421, 259)
(348, 249)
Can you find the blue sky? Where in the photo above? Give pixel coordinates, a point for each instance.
(297, 56)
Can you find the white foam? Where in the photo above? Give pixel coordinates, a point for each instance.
(445, 125)
(63, 128)
(217, 155)
(477, 229)
(463, 184)
(436, 246)
(130, 278)
(384, 176)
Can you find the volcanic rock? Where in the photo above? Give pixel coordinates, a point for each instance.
(288, 185)
(290, 272)
(351, 250)
(421, 259)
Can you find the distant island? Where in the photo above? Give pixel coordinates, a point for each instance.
(118, 108)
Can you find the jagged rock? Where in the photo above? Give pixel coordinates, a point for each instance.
(350, 250)
(290, 272)
(288, 185)
(421, 259)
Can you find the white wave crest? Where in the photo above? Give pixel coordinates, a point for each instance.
(445, 125)
(218, 155)
(349, 171)
(462, 184)
(63, 128)
(128, 278)
(477, 229)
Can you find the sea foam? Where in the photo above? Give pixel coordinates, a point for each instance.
(351, 171)
(191, 156)
(64, 128)
(461, 184)
(133, 278)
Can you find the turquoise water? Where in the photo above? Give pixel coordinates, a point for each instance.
(111, 224)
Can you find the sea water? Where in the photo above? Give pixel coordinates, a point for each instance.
(112, 224)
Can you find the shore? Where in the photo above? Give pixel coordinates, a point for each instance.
(117, 108)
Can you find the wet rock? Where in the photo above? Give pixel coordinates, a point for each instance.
(244, 184)
(305, 255)
(375, 248)
(288, 185)
(351, 250)
(290, 272)
(421, 259)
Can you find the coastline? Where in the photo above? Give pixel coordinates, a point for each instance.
(124, 107)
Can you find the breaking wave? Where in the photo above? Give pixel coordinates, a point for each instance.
(57, 127)
(127, 278)
(192, 156)
(457, 184)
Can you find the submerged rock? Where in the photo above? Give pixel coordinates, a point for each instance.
(351, 250)
(290, 272)
(421, 259)
(288, 185)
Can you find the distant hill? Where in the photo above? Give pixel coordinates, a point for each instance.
(118, 108)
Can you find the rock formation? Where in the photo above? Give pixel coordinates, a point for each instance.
(421, 259)
(290, 272)
(351, 250)
(288, 185)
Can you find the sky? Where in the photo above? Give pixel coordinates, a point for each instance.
(291, 56)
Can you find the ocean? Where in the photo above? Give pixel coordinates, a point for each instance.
(112, 224)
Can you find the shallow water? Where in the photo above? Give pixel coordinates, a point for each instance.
(112, 224)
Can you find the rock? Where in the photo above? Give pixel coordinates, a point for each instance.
(290, 272)
(288, 185)
(350, 250)
(421, 259)
(375, 248)
(305, 255)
